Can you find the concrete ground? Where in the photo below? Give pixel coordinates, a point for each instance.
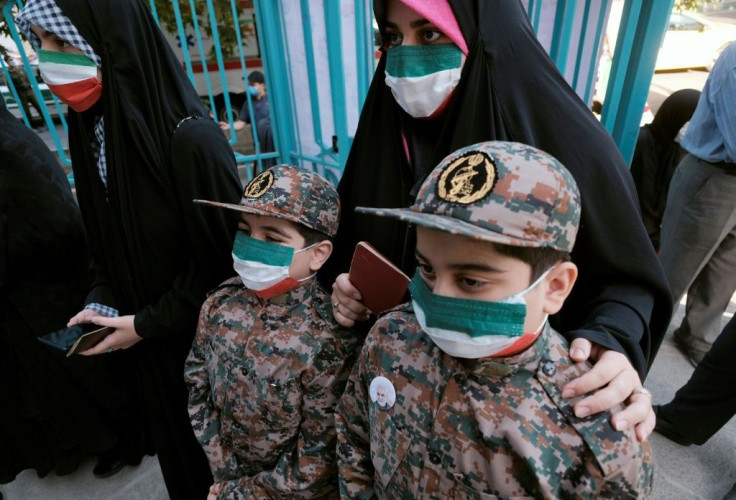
(705, 472)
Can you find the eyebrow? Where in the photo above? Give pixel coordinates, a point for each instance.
(414, 24)
(276, 230)
(464, 267)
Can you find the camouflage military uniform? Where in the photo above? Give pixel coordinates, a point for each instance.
(264, 377)
(484, 428)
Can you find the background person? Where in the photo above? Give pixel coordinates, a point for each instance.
(259, 101)
(497, 83)
(656, 157)
(707, 401)
(261, 110)
(699, 224)
(142, 149)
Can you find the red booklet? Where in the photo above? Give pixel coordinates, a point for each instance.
(378, 280)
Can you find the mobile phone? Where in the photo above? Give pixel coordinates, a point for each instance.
(77, 338)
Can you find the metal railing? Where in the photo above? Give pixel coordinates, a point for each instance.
(318, 58)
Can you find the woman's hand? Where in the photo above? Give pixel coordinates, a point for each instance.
(122, 337)
(83, 316)
(616, 381)
(214, 491)
(346, 305)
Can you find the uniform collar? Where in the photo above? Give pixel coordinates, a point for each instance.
(295, 296)
(502, 367)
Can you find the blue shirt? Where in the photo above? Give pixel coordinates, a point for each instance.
(711, 135)
(260, 109)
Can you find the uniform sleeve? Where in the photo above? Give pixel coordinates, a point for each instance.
(355, 468)
(308, 470)
(203, 168)
(204, 416)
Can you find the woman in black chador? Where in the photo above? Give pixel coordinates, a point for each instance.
(56, 410)
(657, 155)
(142, 149)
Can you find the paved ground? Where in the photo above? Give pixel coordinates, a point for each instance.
(698, 472)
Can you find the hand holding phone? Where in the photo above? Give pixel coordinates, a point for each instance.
(77, 338)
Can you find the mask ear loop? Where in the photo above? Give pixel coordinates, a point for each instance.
(314, 273)
(531, 287)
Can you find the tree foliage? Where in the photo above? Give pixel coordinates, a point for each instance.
(223, 20)
(693, 4)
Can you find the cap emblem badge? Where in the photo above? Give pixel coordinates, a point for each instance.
(467, 179)
(259, 185)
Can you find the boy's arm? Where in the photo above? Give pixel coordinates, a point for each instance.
(308, 469)
(352, 421)
(204, 416)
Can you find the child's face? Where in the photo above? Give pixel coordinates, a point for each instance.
(456, 266)
(281, 232)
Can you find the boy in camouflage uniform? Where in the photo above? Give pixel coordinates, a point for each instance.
(268, 363)
(475, 408)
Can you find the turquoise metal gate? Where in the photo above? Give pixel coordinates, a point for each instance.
(318, 57)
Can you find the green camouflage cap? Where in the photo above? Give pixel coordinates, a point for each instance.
(504, 192)
(290, 193)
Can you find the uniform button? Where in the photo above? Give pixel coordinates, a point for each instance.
(549, 368)
(460, 378)
(434, 457)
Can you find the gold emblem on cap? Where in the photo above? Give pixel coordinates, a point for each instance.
(259, 185)
(467, 179)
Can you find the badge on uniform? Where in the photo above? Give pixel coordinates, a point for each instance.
(382, 393)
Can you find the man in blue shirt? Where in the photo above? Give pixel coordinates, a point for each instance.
(262, 122)
(259, 100)
(698, 245)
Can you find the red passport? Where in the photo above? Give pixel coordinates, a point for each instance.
(378, 280)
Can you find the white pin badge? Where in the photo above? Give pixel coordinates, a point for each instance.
(382, 393)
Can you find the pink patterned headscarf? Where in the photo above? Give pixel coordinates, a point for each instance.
(439, 13)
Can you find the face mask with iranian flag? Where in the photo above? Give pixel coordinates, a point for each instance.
(71, 77)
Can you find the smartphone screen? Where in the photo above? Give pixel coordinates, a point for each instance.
(65, 338)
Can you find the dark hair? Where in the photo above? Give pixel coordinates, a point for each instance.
(540, 259)
(311, 236)
(256, 77)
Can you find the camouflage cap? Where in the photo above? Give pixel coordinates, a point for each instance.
(290, 193)
(504, 192)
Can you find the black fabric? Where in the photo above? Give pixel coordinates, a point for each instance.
(707, 401)
(56, 410)
(657, 155)
(156, 253)
(511, 90)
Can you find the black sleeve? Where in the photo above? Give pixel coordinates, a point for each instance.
(203, 168)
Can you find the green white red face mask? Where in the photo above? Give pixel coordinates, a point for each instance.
(423, 77)
(264, 266)
(71, 77)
